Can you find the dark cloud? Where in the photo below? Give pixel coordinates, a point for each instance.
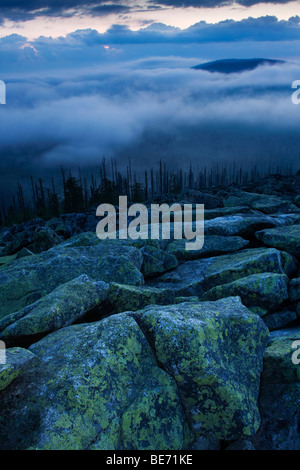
(213, 3)
(19, 10)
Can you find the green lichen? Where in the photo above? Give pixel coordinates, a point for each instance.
(91, 381)
(214, 352)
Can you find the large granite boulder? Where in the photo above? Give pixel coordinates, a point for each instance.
(260, 202)
(214, 351)
(24, 281)
(62, 307)
(96, 386)
(197, 197)
(197, 277)
(282, 238)
(247, 224)
(279, 402)
(266, 290)
(124, 297)
(156, 261)
(213, 245)
(17, 361)
(294, 289)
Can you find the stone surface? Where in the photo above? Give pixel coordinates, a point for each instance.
(124, 297)
(17, 361)
(294, 289)
(197, 197)
(66, 304)
(96, 386)
(27, 280)
(279, 319)
(198, 277)
(279, 402)
(260, 202)
(265, 290)
(156, 261)
(283, 238)
(214, 351)
(278, 364)
(239, 224)
(213, 245)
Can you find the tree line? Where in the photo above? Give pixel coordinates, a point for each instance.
(68, 194)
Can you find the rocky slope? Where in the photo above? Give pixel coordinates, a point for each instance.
(143, 345)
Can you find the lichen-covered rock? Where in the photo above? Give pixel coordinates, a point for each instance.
(156, 261)
(239, 224)
(278, 320)
(279, 402)
(197, 197)
(260, 202)
(214, 351)
(197, 277)
(266, 290)
(17, 361)
(38, 240)
(27, 280)
(294, 289)
(193, 299)
(282, 238)
(223, 211)
(213, 245)
(59, 227)
(43, 240)
(278, 364)
(66, 304)
(4, 260)
(124, 297)
(96, 386)
(23, 253)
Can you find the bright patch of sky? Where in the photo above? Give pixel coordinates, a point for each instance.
(135, 19)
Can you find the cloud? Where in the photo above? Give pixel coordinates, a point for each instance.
(70, 100)
(173, 113)
(214, 3)
(87, 46)
(18, 10)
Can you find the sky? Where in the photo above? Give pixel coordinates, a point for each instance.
(94, 78)
(56, 18)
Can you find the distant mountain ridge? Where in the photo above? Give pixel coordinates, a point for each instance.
(235, 65)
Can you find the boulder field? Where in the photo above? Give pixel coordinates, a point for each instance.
(140, 344)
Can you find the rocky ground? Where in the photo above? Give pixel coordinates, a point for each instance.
(143, 345)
